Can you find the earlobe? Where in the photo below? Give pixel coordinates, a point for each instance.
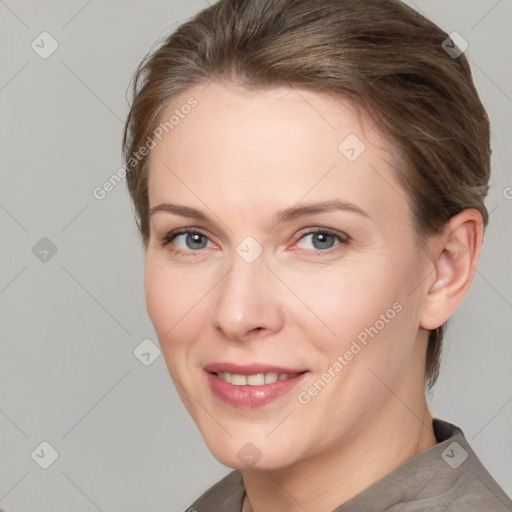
(455, 264)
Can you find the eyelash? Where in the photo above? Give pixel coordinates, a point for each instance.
(343, 239)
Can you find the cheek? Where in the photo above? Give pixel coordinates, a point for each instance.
(173, 302)
(160, 301)
(365, 301)
(342, 298)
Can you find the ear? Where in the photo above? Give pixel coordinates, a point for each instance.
(455, 258)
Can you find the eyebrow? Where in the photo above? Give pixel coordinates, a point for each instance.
(286, 215)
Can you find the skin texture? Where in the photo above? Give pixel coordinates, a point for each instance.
(240, 157)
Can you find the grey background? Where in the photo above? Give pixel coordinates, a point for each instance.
(69, 326)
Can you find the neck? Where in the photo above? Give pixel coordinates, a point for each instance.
(327, 480)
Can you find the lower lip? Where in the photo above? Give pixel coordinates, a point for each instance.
(251, 397)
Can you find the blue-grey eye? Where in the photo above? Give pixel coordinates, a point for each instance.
(319, 240)
(193, 241)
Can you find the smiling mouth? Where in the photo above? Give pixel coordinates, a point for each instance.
(257, 379)
(252, 386)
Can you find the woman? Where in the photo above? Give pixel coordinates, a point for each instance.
(308, 179)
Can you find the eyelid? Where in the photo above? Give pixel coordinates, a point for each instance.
(172, 235)
(343, 238)
(319, 229)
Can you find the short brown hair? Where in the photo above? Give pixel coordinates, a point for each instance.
(380, 54)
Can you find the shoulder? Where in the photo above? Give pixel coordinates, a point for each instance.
(460, 482)
(225, 496)
(470, 494)
(476, 490)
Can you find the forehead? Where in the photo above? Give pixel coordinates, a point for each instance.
(252, 151)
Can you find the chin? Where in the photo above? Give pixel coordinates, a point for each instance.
(248, 455)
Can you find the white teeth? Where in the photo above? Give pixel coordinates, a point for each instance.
(257, 379)
(271, 378)
(239, 380)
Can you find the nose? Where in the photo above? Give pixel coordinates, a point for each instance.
(247, 301)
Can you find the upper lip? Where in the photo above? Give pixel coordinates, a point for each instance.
(250, 369)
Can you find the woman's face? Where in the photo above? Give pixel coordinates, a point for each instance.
(301, 258)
